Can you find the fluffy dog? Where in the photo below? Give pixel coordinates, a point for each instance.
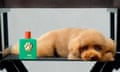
(74, 44)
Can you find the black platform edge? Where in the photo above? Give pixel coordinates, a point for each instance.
(16, 57)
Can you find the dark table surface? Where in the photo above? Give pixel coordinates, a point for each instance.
(16, 57)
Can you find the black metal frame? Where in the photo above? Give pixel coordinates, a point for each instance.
(0, 40)
(5, 25)
(17, 66)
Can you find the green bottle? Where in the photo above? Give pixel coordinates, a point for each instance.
(27, 47)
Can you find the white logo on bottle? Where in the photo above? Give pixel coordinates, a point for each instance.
(28, 46)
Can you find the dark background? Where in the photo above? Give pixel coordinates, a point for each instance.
(60, 3)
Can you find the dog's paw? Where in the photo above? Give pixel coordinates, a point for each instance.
(72, 57)
(108, 57)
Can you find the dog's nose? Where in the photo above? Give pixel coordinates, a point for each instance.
(94, 58)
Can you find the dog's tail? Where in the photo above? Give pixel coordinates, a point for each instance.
(13, 50)
(6, 52)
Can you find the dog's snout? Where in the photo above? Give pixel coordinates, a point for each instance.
(94, 58)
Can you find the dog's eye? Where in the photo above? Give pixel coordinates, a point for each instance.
(97, 47)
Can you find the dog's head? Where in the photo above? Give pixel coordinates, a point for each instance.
(91, 45)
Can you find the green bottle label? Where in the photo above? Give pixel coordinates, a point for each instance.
(27, 48)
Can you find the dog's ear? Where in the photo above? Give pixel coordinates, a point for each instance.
(109, 50)
(111, 46)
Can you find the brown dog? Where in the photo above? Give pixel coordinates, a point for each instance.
(73, 43)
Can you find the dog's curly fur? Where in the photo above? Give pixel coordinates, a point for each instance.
(73, 43)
